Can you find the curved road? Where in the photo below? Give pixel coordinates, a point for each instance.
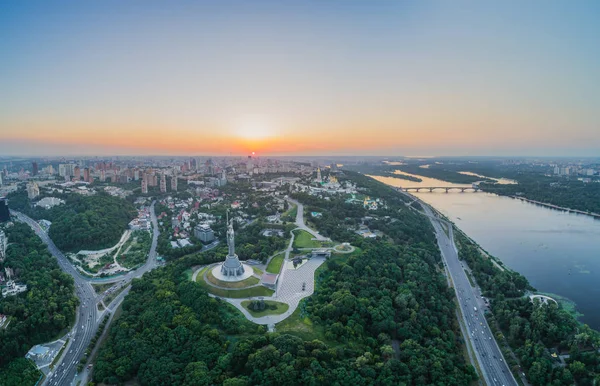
(87, 319)
(300, 221)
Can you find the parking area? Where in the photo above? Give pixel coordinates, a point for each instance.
(43, 354)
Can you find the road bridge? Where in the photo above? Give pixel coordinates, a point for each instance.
(448, 189)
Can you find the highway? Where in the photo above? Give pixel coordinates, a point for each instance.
(87, 318)
(491, 362)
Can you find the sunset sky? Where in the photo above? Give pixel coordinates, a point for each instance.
(313, 78)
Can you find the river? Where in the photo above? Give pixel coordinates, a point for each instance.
(558, 252)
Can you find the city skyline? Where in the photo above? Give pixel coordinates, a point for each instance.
(337, 78)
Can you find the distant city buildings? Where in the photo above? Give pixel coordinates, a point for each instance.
(144, 186)
(163, 183)
(66, 170)
(33, 190)
(34, 167)
(77, 173)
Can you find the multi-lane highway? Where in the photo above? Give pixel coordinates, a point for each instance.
(87, 319)
(491, 362)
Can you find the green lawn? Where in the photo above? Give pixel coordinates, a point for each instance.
(236, 293)
(257, 271)
(236, 284)
(300, 326)
(100, 288)
(276, 263)
(303, 239)
(272, 308)
(290, 214)
(199, 277)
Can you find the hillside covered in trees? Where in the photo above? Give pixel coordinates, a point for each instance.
(39, 314)
(386, 312)
(83, 222)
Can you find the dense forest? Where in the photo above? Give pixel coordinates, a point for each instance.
(47, 307)
(83, 222)
(535, 331)
(387, 314)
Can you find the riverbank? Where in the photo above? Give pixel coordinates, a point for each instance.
(592, 214)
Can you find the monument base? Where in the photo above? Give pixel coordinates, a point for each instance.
(248, 271)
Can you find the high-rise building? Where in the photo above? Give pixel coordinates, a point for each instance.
(102, 175)
(86, 174)
(318, 180)
(77, 173)
(66, 170)
(34, 168)
(0, 179)
(136, 175)
(144, 186)
(163, 183)
(4, 212)
(33, 190)
(3, 244)
(174, 183)
(50, 169)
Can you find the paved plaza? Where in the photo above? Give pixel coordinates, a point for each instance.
(290, 281)
(289, 291)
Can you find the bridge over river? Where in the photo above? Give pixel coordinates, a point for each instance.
(448, 189)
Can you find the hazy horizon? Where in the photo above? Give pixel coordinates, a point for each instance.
(509, 79)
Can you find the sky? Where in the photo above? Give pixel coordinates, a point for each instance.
(116, 77)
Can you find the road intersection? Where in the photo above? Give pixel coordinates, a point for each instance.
(88, 318)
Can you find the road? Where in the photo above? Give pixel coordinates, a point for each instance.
(87, 318)
(491, 362)
(300, 220)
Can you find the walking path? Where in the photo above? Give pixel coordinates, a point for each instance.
(291, 280)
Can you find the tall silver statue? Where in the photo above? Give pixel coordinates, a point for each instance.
(231, 239)
(232, 265)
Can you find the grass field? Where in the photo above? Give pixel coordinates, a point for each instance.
(300, 326)
(303, 239)
(276, 263)
(277, 308)
(199, 277)
(232, 293)
(237, 294)
(100, 288)
(257, 271)
(227, 284)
